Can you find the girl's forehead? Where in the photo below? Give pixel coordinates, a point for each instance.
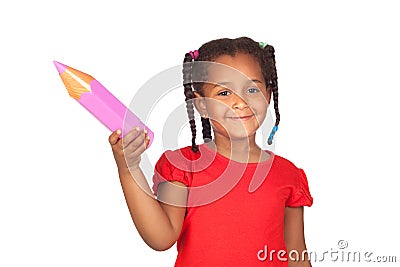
(241, 67)
(238, 59)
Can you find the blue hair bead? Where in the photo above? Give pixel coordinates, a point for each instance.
(271, 135)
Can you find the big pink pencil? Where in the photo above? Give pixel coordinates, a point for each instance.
(93, 96)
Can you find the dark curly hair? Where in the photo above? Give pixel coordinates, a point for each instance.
(210, 51)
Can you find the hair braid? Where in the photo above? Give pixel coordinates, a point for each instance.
(272, 82)
(199, 75)
(206, 129)
(189, 95)
(275, 96)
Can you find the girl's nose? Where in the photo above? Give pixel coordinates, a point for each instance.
(238, 102)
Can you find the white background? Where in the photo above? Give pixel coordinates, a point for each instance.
(338, 65)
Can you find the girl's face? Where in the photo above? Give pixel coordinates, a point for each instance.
(236, 97)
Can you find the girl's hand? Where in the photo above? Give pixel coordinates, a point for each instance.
(128, 150)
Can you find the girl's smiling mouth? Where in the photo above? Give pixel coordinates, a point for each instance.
(241, 118)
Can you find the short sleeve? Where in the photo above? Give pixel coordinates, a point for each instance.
(301, 194)
(165, 170)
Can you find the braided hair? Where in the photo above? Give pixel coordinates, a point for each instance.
(210, 51)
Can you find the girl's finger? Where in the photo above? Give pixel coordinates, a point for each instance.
(146, 140)
(114, 137)
(130, 136)
(136, 144)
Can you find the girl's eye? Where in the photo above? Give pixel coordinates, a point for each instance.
(253, 90)
(224, 93)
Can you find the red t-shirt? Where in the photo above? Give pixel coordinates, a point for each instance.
(235, 212)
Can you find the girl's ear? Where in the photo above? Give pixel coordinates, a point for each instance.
(199, 103)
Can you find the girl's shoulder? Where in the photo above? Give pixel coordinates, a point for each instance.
(183, 152)
(283, 164)
(180, 158)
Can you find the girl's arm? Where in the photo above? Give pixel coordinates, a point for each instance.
(158, 224)
(294, 238)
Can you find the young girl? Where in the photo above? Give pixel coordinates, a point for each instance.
(225, 202)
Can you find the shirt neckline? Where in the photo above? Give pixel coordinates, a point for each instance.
(203, 147)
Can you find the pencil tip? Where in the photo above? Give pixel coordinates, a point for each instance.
(59, 66)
